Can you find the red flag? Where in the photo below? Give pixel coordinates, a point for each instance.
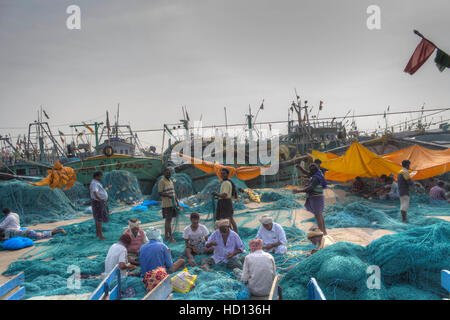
(420, 56)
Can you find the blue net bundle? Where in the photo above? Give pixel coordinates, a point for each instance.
(36, 204)
(78, 192)
(122, 187)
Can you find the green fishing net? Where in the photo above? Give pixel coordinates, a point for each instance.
(36, 204)
(122, 187)
(410, 263)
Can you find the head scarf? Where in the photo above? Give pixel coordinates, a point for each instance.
(154, 277)
(319, 176)
(154, 234)
(266, 219)
(314, 233)
(132, 224)
(255, 244)
(222, 223)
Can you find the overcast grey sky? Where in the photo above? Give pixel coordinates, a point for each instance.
(155, 56)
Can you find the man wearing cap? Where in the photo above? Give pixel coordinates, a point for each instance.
(227, 245)
(138, 238)
(404, 182)
(272, 234)
(156, 254)
(259, 270)
(318, 239)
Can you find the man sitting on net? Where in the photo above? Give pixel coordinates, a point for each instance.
(316, 236)
(259, 270)
(227, 245)
(273, 235)
(195, 237)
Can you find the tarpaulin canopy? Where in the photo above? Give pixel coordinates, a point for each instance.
(426, 162)
(242, 173)
(357, 161)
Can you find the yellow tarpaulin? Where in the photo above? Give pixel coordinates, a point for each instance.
(357, 161)
(426, 162)
(58, 177)
(242, 173)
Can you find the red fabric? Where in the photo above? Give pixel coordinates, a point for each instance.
(136, 242)
(420, 56)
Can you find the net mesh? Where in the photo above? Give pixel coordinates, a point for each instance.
(410, 260)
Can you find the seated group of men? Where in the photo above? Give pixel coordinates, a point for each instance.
(147, 250)
(386, 189)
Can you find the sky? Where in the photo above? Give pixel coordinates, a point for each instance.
(153, 57)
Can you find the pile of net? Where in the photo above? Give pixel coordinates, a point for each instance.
(202, 202)
(122, 187)
(410, 263)
(78, 194)
(361, 213)
(182, 183)
(36, 204)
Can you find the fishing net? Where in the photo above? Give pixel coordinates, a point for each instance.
(361, 213)
(78, 192)
(410, 264)
(122, 187)
(36, 204)
(182, 184)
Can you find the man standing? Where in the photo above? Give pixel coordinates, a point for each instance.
(169, 203)
(117, 255)
(225, 204)
(227, 245)
(259, 270)
(11, 221)
(99, 196)
(315, 201)
(156, 254)
(404, 182)
(272, 235)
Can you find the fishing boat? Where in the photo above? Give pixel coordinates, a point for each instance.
(304, 134)
(116, 148)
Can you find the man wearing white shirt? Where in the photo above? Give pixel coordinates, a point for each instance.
(117, 255)
(259, 270)
(99, 196)
(11, 222)
(273, 235)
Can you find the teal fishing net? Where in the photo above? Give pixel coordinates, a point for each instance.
(182, 183)
(410, 264)
(377, 214)
(122, 187)
(36, 204)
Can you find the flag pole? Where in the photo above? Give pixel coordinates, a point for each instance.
(423, 37)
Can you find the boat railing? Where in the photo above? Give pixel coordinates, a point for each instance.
(104, 291)
(13, 289)
(314, 291)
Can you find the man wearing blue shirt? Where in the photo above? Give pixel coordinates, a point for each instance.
(156, 254)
